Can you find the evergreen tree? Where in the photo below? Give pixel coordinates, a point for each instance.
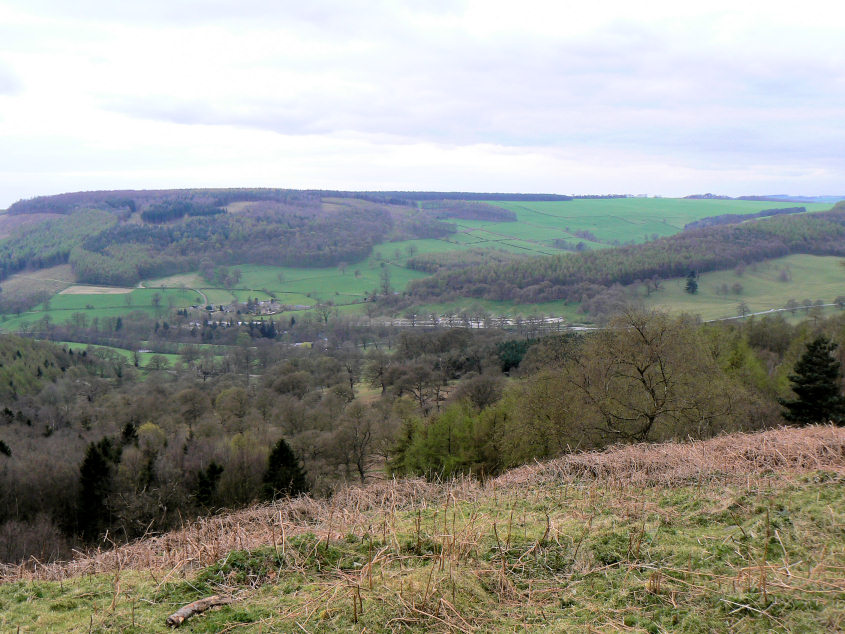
(95, 479)
(692, 285)
(207, 481)
(284, 476)
(816, 383)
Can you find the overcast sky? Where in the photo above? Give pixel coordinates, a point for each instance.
(562, 97)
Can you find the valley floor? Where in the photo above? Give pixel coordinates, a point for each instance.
(742, 533)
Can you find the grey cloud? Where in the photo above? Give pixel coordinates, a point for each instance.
(624, 88)
(372, 70)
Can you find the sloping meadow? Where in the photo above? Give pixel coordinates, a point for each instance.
(741, 532)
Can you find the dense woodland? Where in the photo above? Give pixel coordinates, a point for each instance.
(91, 443)
(469, 211)
(127, 253)
(50, 242)
(732, 219)
(573, 276)
(451, 260)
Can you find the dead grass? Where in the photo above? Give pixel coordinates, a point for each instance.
(50, 280)
(734, 455)
(372, 509)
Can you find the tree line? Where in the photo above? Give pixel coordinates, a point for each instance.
(139, 199)
(728, 219)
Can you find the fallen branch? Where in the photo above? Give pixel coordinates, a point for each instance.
(197, 607)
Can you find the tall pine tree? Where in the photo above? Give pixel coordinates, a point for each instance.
(817, 384)
(95, 480)
(284, 475)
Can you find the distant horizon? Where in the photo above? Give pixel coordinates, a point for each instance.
(817, 197)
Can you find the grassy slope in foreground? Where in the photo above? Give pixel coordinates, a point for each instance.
(742, 533)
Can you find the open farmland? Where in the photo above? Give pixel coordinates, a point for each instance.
(597, 223)
(128, 356)
(761, 287)
(63, 307)
(619, 219)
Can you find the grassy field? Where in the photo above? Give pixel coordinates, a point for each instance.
(295, 286)
(63, 307)
(622, 219)
(810, 278)
(741, 533)
(128, 355)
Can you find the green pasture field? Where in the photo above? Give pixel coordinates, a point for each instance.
(309, 286)
(139, 298)
(622, 219)
(812, 277)
(143, 357)
(61, 308)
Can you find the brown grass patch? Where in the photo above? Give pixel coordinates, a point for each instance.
(50, 280)
(782, 449)
(80, 289)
